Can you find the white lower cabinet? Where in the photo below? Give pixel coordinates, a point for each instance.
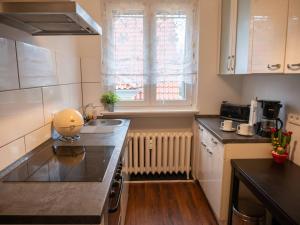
(213, 167)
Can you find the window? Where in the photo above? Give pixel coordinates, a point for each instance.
(150, 51)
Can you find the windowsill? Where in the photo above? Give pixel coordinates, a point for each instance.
(151, 112)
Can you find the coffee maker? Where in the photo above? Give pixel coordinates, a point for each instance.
(267, 117)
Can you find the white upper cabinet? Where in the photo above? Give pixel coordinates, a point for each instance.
(269, 19)
(228, 35)
(292, 62)
(8, 65)
(243, 38)
(253, 36)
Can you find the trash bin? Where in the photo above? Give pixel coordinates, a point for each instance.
(248, 213)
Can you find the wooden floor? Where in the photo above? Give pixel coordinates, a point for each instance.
(167, 204)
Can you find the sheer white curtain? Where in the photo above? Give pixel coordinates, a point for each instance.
(151, 46)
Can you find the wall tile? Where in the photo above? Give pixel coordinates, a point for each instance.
(91, 69)
(92, 93)
(37, 137)
(36, 66)
(8, 65)
(68, 69)
(21, 111)
(11, 152)
(57, 98)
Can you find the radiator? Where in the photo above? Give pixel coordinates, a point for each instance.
(159, 152)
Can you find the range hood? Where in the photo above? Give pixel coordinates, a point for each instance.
(49, 18)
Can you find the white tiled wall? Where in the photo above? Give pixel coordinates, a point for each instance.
(21, 112)
(58, 97)
(8, 65)
(68, 69)
(37, 137)
(91, 69)
(11, 152)
(92, 81)
(36, 66)
(42, 83)
(92, 93)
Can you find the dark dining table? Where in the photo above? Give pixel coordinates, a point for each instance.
(277, 186)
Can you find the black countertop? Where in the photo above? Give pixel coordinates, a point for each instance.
(212, 124)
(277, 186)
(61, 202)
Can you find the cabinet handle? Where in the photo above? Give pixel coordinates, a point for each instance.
(232, 63)
(229, 63)
(210, 152)
(293, 66)
(213, 141)
(274, 67)
(204, 145)
(200, 128)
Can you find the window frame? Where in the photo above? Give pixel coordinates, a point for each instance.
(150, 87)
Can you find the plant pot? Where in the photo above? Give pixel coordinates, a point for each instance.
(110, 107)
(279, 158)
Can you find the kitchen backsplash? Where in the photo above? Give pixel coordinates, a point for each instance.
(35, 82)
(284, 88)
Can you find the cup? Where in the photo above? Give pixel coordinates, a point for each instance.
(244, 129)
(226, 125)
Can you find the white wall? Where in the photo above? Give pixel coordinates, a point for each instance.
(46, 80)
(90, 51)
(274, 87)
(213, 89)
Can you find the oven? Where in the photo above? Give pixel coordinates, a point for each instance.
(115, 198)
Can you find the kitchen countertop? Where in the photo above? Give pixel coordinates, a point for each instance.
(212, 124)
(61, 202)
(276, 186)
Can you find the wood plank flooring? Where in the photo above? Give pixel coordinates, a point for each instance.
(168, 204)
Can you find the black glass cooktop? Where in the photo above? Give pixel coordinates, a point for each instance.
(64, 164)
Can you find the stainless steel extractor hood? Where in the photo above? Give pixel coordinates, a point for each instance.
(49, 18)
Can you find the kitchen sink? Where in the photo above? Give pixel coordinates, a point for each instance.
(102, 126)
(105, 122)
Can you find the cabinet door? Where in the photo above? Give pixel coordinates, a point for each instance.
(228, 36)
(202, 160)
(243, 38)
(216, 158)
(200, 156)
(269, 18)
(292, 63)
(196, 149)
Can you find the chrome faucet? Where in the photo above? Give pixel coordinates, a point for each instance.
(84, 108)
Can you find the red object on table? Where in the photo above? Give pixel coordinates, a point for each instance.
(279, 158)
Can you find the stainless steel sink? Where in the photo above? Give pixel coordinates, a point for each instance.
(105, 122)
(102, 126)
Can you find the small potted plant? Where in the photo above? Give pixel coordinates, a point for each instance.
(109, 99)
(281, 143)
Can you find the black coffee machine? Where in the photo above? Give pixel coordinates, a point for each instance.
(267, 117)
